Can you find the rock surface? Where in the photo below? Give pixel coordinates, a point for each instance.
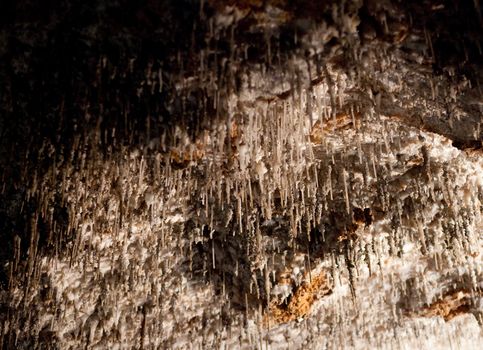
(241, 174)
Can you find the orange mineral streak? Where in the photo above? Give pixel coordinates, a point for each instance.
(449, 306)
(340, 122)
(301, 301)
(183, 157)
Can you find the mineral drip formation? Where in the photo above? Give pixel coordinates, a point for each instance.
(241, 175)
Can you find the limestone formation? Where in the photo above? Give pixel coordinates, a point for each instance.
(241, 174)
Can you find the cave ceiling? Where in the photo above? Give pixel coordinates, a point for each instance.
(241, 174)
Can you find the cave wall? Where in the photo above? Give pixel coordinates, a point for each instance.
(253, 174)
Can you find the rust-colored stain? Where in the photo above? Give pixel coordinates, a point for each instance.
(301, 301)
(449, 306)
(340, 122)
(182, 157)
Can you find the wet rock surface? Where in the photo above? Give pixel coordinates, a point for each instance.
(254, 174)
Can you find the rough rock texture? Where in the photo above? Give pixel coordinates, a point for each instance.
(241, 174)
